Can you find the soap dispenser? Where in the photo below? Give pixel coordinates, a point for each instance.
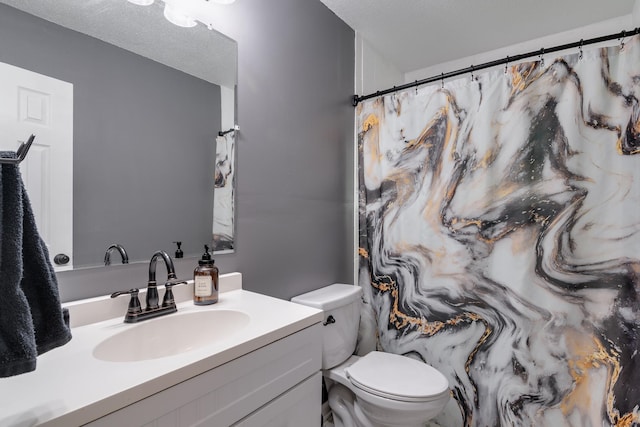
(205, 280)
(179, 253)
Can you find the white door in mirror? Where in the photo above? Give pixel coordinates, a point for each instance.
(31, 103)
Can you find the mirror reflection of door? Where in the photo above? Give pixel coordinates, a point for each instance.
(31, 103)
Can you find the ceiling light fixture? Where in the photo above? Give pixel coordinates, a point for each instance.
(142, 2)
(177, 16)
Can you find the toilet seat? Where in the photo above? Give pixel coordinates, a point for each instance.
(396, 377)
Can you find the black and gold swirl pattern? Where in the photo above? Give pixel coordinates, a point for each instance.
(500, 238)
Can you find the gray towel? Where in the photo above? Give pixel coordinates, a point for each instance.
(31, 317)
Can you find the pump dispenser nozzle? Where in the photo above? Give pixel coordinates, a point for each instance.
(206, 256)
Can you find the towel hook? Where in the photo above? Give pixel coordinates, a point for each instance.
(21, 153)
(234, 128)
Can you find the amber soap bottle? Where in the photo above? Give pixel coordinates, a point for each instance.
(205, 280)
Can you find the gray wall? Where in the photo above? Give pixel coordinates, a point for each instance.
(143, 140)
(295, 151)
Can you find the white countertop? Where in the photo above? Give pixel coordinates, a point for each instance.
(71, 387)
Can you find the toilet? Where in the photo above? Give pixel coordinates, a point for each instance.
(377, 389)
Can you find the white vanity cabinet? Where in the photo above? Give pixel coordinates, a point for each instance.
(265, 372)
(276, 385)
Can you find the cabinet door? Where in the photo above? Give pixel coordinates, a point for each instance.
(300, 406)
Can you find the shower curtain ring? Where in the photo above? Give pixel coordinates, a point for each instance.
(541, 58)
(624, 34)
(580, 49)
(441, 80)
(506, 65)
(472, 69)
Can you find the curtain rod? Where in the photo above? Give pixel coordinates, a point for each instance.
(621, 35)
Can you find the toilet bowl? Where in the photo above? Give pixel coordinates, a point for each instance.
(389, 390)
(377, 389)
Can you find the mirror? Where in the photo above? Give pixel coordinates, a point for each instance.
(148, 102)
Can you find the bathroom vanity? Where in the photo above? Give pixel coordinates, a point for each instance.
(249, 360)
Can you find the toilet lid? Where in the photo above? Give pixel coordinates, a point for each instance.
(397, 377)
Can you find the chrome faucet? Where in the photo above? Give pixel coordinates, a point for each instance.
(135, 313)
(120, 248)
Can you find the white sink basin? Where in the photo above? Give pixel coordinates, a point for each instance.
(170, 335)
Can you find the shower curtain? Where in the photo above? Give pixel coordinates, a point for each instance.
(500, 238)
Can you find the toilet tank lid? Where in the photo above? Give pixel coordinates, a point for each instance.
(329, 297)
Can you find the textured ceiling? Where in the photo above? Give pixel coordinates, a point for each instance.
(411, 34)
(415, 34)
(198, 51)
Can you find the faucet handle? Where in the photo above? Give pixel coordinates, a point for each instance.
(168, 299)
(174, 282)
(134, 303)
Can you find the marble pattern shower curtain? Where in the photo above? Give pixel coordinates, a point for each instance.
(500, 238)
(224, 240)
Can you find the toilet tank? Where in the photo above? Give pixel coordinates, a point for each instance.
(341, 306)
